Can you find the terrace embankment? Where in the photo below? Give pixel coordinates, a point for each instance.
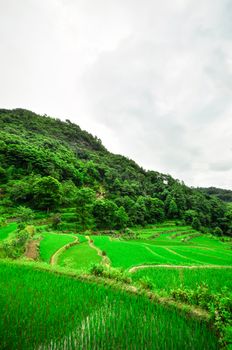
(135, 268)
(105, 259)
(54, 257)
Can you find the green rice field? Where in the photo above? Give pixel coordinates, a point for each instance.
(42, 310)
(167, 279)
(79, 256)
(51, 242)
(126, 254)
(5, 231)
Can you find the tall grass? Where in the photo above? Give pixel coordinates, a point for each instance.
(41, 310)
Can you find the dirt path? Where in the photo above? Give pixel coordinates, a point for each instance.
(105, 260)
(54, 257)
(32, 249)
(135, 268)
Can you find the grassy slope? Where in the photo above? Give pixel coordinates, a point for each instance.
(80, 256)
(92, 316)
(51, 242)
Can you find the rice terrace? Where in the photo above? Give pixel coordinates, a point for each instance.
(97, 253)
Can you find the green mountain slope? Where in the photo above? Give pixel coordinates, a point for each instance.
(47, 164)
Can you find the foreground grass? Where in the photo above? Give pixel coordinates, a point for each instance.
(43, 310)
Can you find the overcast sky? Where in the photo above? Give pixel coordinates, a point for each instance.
(151, 78)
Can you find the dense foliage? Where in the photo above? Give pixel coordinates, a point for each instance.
(48, 164)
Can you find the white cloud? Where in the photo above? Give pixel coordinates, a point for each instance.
(151, 78)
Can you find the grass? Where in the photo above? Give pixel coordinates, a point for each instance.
(5, 231)
(80, 256)
(35, 316)
(168, 279)
(51, 242)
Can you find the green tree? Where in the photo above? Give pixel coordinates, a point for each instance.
(171, 207)
(25, 214)
(84, 204)
(196, 225)
(47, 193)
(189, 216)
(154, 209)
(104, 212)
(121, 218)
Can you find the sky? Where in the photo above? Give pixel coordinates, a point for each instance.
(151, 78)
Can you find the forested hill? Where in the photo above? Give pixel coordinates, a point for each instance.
(47, 164)
(224, 195)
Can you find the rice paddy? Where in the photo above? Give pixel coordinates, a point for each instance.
(5, 231)
(126, 254)
(172, 278)
(80, 256)
(51, 242)
(41, 310)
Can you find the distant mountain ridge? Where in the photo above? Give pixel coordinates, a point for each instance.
(223, 194)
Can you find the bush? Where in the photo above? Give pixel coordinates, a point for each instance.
(25, 214)
(218, 231)
(111, 273)
(56, 221)
(97, 269)
(15, 247)
(218, 304)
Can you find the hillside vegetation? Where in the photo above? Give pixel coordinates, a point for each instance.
(47, 164)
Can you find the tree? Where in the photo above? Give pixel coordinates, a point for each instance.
(104, 212)
(140, 211)
(121, 218)
(189, 216)
(171, 207)
(25, 214)
(196, 225)
(69, 192)
(84, 204)
(154, 209)
(47, 193)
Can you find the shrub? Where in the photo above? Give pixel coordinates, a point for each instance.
(97, 269)
(56, 221)
(218, 231)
